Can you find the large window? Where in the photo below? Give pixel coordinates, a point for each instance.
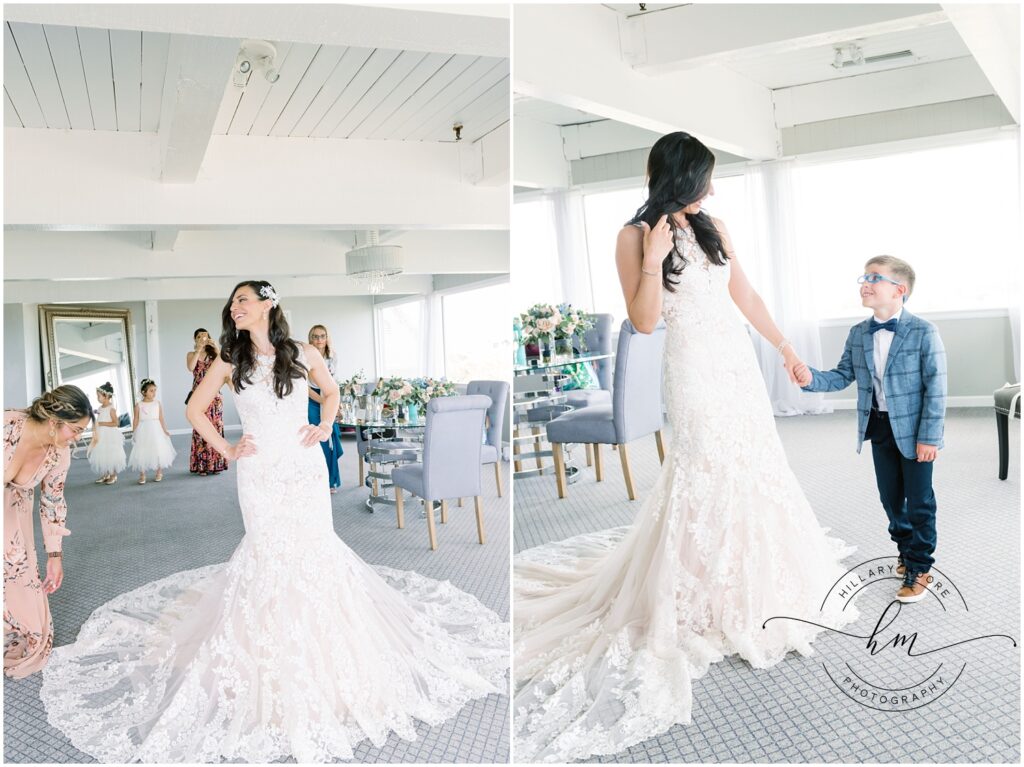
(477, 335)
(952, 212)
(401, 347)
(535, 278)
(606, 212)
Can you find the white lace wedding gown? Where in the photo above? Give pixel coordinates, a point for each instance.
(612, 627)
(293, 648)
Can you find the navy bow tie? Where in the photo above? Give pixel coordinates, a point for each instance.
(889, 325)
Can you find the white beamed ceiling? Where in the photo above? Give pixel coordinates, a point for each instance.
(84, 78)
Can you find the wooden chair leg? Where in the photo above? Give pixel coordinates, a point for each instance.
(444, 512)
(376, 487)
(536, 448)
(598, 466)
(661, 445)
(556, 449)
(362, 472)
(460, 502)
(516, 450)
(480, 519)
(626, 472)
(615, 447)
(590, 454)
(429, 505)
(399, 507)
(497, 479)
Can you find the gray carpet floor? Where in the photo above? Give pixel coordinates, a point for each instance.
(126, 535)
(792, 712)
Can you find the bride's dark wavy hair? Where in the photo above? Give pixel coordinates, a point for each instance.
(236, 346)
(679, 171)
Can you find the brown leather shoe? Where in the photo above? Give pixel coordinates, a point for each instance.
(901, 567)
(915, 592)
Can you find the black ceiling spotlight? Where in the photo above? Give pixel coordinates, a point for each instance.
(458, 131)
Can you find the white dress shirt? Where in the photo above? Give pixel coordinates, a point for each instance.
(882, 340)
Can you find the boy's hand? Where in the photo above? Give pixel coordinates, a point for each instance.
(926, 453)
(802, 374)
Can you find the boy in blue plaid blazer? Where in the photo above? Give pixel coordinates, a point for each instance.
(899, 364)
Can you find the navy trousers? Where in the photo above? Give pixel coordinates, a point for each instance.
(905, 488)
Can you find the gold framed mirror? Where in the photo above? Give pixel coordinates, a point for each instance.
(88, 346)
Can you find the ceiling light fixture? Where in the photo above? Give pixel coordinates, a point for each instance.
(255, 54)
(373, 264)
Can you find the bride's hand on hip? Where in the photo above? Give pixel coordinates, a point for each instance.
(309, 435)
(244, 448)
(657, 242)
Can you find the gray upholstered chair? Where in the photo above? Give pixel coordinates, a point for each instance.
(451, 460)
(635, 412)
(1007, 405)
(598, 340)
(491, 452)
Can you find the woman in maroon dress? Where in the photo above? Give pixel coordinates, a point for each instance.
(204, 459)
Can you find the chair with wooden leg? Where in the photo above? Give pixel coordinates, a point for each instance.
(598, 340)
(451, 460)
(635, 412)
(491, 452)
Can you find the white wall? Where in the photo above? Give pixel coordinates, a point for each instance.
(979, 353)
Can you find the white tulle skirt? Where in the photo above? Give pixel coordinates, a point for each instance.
(107, 454)
(151, 448)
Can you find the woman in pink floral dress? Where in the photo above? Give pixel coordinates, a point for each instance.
(36, 452)
(204, 459)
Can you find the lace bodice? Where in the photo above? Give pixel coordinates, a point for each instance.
(270, 420)
(702, 293)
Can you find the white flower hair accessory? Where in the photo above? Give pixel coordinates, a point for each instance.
(268, 291)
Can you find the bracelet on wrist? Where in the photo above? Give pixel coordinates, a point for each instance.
(650, 274)
(782, 346)
(55, 554)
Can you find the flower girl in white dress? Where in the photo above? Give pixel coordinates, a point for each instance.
(106, 451)
(151, 446)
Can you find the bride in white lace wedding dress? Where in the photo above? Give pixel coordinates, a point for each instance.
(293, 648)
(611, 628)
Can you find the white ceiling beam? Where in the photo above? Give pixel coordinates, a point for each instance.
(198, 71)
(703, 34)
(163, 239)
(327, 24)
(932, 83)
(41, 255)
(604, 137)
(721, 108)
(539, 155)
(47, 291)
(486, 160)
(992, 33)
(57, 179)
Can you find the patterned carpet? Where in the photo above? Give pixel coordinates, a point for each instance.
(126, 535)
(792, 712)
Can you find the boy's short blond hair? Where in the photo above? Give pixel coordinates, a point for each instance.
(899, 267)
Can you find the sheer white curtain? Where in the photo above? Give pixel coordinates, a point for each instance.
(573, 257)
(782, 279)
(433, 337)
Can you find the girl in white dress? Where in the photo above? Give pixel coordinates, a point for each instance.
(151, 446)
(106, 451)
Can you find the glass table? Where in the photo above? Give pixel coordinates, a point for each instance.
(536, 399)
(384, 453)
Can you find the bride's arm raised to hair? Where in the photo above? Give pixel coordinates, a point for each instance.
(201, 398)
(330, 395)
(639, 252)
(752, 305)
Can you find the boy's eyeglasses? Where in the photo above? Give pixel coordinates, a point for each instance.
(874, 277)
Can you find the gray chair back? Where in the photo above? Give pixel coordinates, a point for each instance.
(498, 392)
(451, 446)
(599, 341)
(636, 398)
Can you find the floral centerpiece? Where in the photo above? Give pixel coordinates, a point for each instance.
(394, 390)
(546, 323)
(353, 387)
